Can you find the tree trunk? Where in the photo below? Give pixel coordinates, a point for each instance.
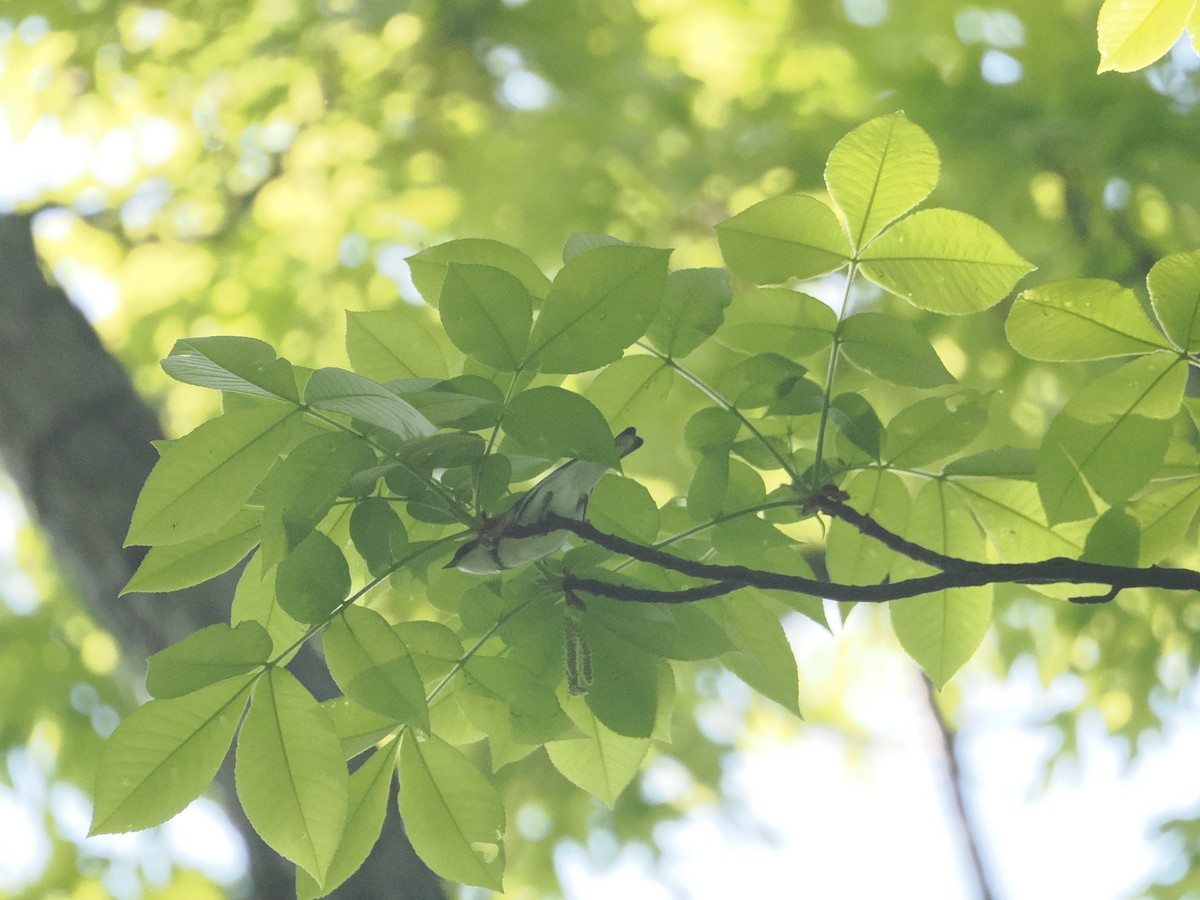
(75, 438)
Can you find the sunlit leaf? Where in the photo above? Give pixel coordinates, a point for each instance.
(851, 556)
(763, 657)
(1150, 386)
(291, 777)
(601, 763)
(944, 261)
(878, 172)
(793, 236)
(429, 266)
(401, 342)
(239, 364)
(1084, 318)
(372, 666)
(778, 320)
(452, 812)
(1131, 34)
(599, 304)
(174, 566)
(163, 756)
(692, 309)
(487, 313)
(312, 579)
(207, 656)
(1114, 540)
(1164, 516)
(893, 350)
(204, 477)
(553, 423)
(1174, 284)
(340, 391)
(932, 429)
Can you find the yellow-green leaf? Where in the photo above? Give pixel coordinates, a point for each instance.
(1131, 34)
(793, 236)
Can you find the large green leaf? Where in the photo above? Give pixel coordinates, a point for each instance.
(302, 488)
(892, 349)
(692, 308)
(239, 364)
(932, 429)
(1165, 515)
(793, 236)
(487, 313)
(378, 533)
(1084, 318)
(624, 690)
(429, 266)
(1150, 386)
(1131, 34)
(340, 391)
(1174, 285)
(452, 813)
(685, 631)
(372, 666)
(312, 579)
(254, 601)
(763, 657)
(851, 556)
(370, 785)
(1114, 459)
(944, 261)
(207, 656)
(599, 304)
(290, 774)
(402, 342)
(204, 477)
(552, 423)
(175, 566)
(778, 320)
(503, 698)
(878, 172)
(941, 630)
(164, 755)
(625, 507)
(601, 763)
(1013, 519)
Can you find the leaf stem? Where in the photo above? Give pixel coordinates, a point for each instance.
(827, 397)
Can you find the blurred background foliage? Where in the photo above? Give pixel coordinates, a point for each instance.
(258, 167)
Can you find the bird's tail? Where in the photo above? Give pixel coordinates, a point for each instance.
(628, 441)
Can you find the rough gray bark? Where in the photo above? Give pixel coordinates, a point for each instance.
(75, 438)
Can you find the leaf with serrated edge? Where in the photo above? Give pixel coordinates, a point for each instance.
(164, 756)
(1174, 284)
(452, 812)
(207, 656)
(879, 171)
(793, 236)
(602, 763)
(944, 261)
(290, 774)
(385, 344)
(1131, 34)
(372, 666)
(175, 566)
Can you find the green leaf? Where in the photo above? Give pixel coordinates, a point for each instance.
(624, 691)
(452, 813)
(402, 342)
(944, 261)
(692, 309)
(631, 390)
(340, 391)
(553, 423)
(372, 666)
(429, 266)
(892, 349)
(858, 423)
(793, 236)
(487, 313)
(932, 429)
(852, 557)
(711, 429)
(1114, 540)
(684, 631)
(1084, 318)
(290, 774)
(301, 489)
(505, 699)
(204, 477)
(878, 172)
(710, 482)
(163, 756)
(1131, 34)
(254, 601)
(599, 304)
(207, 656)
(378, 534)
(312, 579)
(1174, 285)
(583, 241)
(239, 364)
(358, 728)
(778, 320)
(602, 763)
(941, 630)
(1114, 459)
(366, 810)
(623, 506)
(1150, 386)
(1014, 522)
(763, 657)
(1164, 517)
(175, 566)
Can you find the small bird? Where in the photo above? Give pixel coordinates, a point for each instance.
(563, 492)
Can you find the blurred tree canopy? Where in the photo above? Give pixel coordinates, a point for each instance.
(258, 168)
